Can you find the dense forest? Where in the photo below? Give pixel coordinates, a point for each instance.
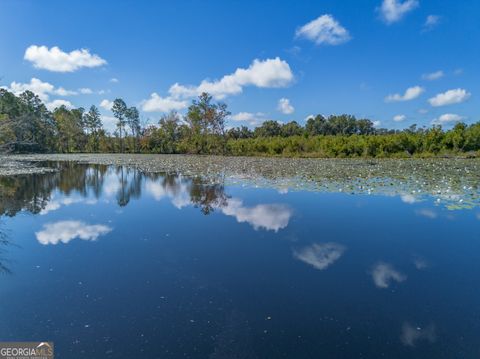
(26, 125)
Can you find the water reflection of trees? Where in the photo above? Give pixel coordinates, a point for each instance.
(4, 242)
(207, 196)
(33, 192)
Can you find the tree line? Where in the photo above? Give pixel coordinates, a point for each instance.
(26, 125)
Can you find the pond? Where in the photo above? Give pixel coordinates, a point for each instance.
(119, 261)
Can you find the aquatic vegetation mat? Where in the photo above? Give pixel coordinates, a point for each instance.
(454, 183)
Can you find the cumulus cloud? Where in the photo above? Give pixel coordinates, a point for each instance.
(269, 73)
(106, 104)
(268, 216)
(399, 118)
(410, 94)
(56, 60)
(114, 80)
(320, 256)
(65, 231)
(42, 89)
(58, 103)
(285, 107)
(447, 118)
(324, 30)
(109, 123)
(433, 75)
(393, 11)
(431, 21)
(383, 274)
(412, 334)
(377, 123)
(249, 118)
(157, 103)
(450, 97)
(85, 91)
(62, 92)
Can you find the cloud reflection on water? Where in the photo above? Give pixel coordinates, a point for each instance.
(65, 231)
(320, 255)
(426, 212)
(383, 274)
(56, 204)
(411, 334)
(177, 193)
(268, 216)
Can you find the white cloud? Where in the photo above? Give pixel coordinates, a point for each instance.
(410, 94)
(85, 91)
(114, 80)
(447, 118)
(394, 10)
(431, 21)
(106, 104)
(269, 73)
(411, 334)
(62, 92)
(399, 118)
(65, 231)
(320, 256)
(433, 76)
(56, 60)
(58, 103)
(40, 88)
(252, 119)
(324, 30)
(157, 103)
(285, 107)
(377, 123)
(268, 216)
(450, 97)
(109, 123)
(384, 273)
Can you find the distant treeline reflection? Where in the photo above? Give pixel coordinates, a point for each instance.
(33, 192)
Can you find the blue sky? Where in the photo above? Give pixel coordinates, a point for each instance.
(398, 62)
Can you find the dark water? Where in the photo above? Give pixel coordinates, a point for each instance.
(114, 263)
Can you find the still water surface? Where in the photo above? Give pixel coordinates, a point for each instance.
(112, 262)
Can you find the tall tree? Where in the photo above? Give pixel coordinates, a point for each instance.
(133, 120)
(207, 124)
(69, 125)
(119, 110)
(93, 124)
